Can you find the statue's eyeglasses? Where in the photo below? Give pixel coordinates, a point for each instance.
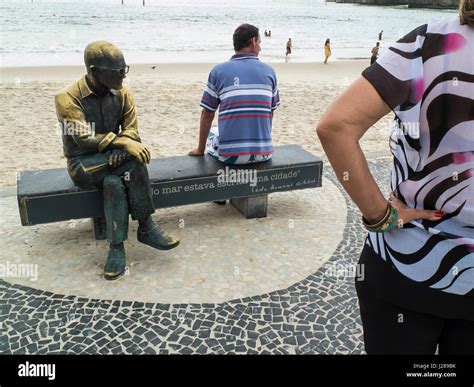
(121, 71)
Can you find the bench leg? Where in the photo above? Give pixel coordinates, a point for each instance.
(252, 207)
(99, 226)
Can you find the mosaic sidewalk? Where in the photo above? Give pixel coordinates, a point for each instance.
(317, 315)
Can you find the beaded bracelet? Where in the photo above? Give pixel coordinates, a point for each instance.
(386, 223)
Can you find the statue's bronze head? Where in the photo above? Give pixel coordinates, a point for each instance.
(105, 64)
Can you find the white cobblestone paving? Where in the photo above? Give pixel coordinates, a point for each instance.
(207, 296)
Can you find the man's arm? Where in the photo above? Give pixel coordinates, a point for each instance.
(275, 95)
(210, 102)
(205, 123)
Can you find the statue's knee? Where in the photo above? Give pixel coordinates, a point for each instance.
(113, 183)
(138, 165)
(141, 167)
(135, 168)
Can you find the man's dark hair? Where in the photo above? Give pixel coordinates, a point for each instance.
(243, 35)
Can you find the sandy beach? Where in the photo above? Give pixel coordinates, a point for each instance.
(285, 272)
(281, 260)
(167, 99)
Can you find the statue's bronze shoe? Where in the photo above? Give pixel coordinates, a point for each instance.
(115, 266)
(157, 239)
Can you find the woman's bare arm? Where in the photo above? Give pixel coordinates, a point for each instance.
(339, 130)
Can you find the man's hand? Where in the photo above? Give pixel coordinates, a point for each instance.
(196, 152)
(117, 157)
(204, 128)
(135, 148)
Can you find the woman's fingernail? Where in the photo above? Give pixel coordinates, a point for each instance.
(439, 214)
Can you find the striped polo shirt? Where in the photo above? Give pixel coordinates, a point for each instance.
(245, 91)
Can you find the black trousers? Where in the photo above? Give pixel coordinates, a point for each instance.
(126, 190)
(393, 329)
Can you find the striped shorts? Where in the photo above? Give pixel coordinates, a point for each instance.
(212, 148)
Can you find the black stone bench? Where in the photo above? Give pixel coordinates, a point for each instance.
(50, 196)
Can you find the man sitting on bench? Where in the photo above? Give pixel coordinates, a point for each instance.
(246, 91)
(103, 149)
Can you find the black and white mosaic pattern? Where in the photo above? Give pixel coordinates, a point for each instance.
(318, 315)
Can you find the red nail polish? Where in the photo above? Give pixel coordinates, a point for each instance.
(439, 214)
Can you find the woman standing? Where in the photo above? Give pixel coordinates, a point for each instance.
(327, 51)
(417, 294)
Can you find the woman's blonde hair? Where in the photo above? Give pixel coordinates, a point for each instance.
(466, 12)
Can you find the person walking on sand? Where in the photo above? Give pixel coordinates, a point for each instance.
(375, 53)
(380, 35)
(289, 46)
(327, 50)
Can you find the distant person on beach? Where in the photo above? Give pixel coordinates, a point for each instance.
(245, 92)
(416, 293)
(327, 50)
(266, 33)
(270, 33)
(380, 35)
(289, 46)
(104, 151)
(375, 53)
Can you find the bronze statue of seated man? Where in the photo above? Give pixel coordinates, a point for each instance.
(103, 149)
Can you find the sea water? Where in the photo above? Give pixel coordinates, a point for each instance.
(47, 32)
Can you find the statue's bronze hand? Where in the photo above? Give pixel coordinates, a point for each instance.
(117, 157)
(134, 148)
(138, 150)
